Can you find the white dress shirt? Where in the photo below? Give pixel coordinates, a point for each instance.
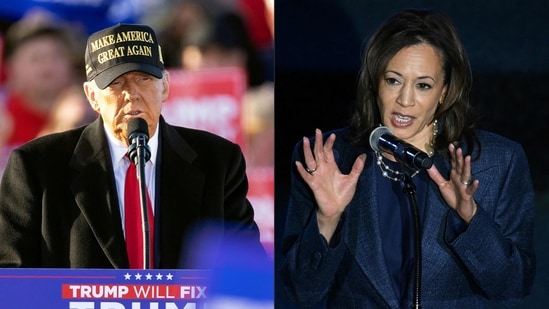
(121, 163)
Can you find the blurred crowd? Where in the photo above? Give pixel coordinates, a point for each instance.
(42, 70)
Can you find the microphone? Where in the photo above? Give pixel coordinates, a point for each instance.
(382, 139)
(139, 151)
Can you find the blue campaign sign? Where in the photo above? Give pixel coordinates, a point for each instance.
(104, 288)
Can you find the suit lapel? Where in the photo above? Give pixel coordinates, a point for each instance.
(93, 189)
(433, 225)
(369, 250)
(181, 187)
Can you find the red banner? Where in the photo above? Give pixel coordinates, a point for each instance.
(212, 100)
(209, 100)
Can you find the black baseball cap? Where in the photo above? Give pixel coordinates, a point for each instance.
(122, 48)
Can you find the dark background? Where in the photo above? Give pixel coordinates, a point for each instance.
(318, 51)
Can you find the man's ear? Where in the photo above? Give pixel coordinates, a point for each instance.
(89, 90)
(165, 86)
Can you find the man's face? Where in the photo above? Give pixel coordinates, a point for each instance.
(40, 67)
(132, 95)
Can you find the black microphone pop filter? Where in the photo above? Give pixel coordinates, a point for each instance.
(137, 126)
(138, 136)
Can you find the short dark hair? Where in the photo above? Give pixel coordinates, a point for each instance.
(32, 26)
(407, 28)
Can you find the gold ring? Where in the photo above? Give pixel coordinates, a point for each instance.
(310, 171)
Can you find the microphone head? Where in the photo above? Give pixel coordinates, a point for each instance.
(376, 134)
(137, 126)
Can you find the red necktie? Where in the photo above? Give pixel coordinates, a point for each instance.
(134, 223)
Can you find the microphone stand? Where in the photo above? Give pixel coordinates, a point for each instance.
(140, 160)
(409, 188)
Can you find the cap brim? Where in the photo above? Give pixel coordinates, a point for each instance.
(106, 77)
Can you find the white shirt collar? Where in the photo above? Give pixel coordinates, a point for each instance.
(118, 149)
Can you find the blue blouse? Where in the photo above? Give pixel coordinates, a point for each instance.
(397, 226)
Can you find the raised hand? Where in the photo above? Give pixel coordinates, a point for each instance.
(333, 190)
(458, 190)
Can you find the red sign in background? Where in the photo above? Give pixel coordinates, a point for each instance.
(212, 100)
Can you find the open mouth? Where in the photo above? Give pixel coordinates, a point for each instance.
(401, 120)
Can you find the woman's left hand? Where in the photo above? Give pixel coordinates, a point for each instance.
(459, 189)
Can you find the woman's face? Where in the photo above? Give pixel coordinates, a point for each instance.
(410, 89)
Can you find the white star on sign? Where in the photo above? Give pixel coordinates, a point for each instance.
(159, 277)
(138, 276)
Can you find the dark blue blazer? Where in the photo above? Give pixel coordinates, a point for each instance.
(493, 259)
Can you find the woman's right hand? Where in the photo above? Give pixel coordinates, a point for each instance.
(333, 190)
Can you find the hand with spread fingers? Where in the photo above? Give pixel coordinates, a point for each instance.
(333, 190)
(459, 189)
